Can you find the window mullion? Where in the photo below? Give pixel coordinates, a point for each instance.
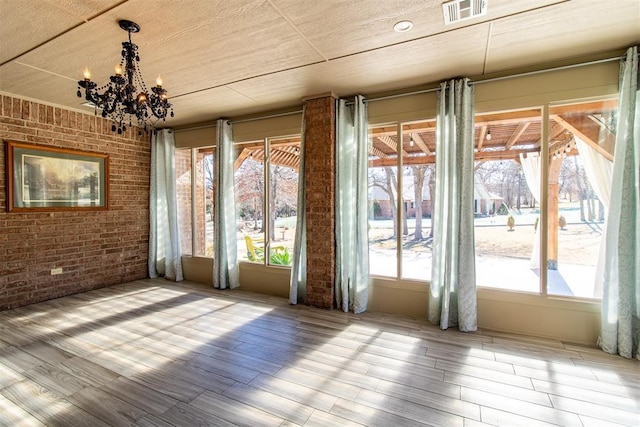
(194, 224)
(399, 200)
(266, 217)
(544, 198)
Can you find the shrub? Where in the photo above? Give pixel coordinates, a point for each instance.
(503, 210)
(280, 257)
(562, 222)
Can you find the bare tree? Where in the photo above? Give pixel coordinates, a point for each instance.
(209, 183)
(419, 173)
(387, 183)
(501, 177)
(390, 186)
(249, 182)
(432, 193)
(282, 193)
(580, 188)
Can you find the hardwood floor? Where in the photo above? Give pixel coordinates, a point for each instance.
(156, 353)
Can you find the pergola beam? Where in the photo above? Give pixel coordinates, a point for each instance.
(386, 140)
(602, 140)
(241, 158)
(430, 159)
(516, 135)
(377, 152)
(481, 137)
(420, 143)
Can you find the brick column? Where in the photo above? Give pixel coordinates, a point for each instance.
(320, 164)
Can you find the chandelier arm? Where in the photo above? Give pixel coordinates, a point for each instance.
(92, 97)
(109, 107)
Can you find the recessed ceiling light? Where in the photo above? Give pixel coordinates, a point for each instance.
(402, 26)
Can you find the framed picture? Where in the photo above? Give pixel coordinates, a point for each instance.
(48, 179)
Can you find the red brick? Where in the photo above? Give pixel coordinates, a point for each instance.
(95, 248)
(320, 200)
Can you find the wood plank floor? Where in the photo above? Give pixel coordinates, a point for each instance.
(156, 353)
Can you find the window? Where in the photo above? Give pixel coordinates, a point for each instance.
(510, 177)
(266, 199)
(581, 146)
(263, 184)
(506, 200)
(194, 189)
(400, 234)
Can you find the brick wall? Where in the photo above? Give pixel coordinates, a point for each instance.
(94, 248)
(320, 198)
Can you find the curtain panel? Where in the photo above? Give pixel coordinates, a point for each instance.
(352, 241)
(453, 299)
(531, 169)
(599, 171)
(298, 280)
(164, 246)
(225, 254)
(620, 313)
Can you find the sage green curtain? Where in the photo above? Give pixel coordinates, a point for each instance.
(225, 255)
(298, 280)
(352, 241)
(453, 299)
(164, 244)
(620, 329)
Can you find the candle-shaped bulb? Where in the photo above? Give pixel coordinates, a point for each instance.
(159, 81)
(87, 74)
(118, 70)
(141, 98)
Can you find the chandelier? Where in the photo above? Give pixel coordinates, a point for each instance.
(125, 98)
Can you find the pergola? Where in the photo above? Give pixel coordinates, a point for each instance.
(505, 136)
(502, 136)
(283, 152)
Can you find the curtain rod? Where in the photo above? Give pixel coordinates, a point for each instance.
(266, 117)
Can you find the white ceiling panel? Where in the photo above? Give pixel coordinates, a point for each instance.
(34, 84)
(349, 27)
(567, 30)
(370, 71)
(29, 23)
(211, 104)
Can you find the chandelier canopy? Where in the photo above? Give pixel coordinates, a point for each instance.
(126, 96)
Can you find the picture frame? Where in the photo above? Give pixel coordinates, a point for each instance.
(41, 178)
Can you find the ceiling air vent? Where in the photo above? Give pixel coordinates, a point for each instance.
(459, 10)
